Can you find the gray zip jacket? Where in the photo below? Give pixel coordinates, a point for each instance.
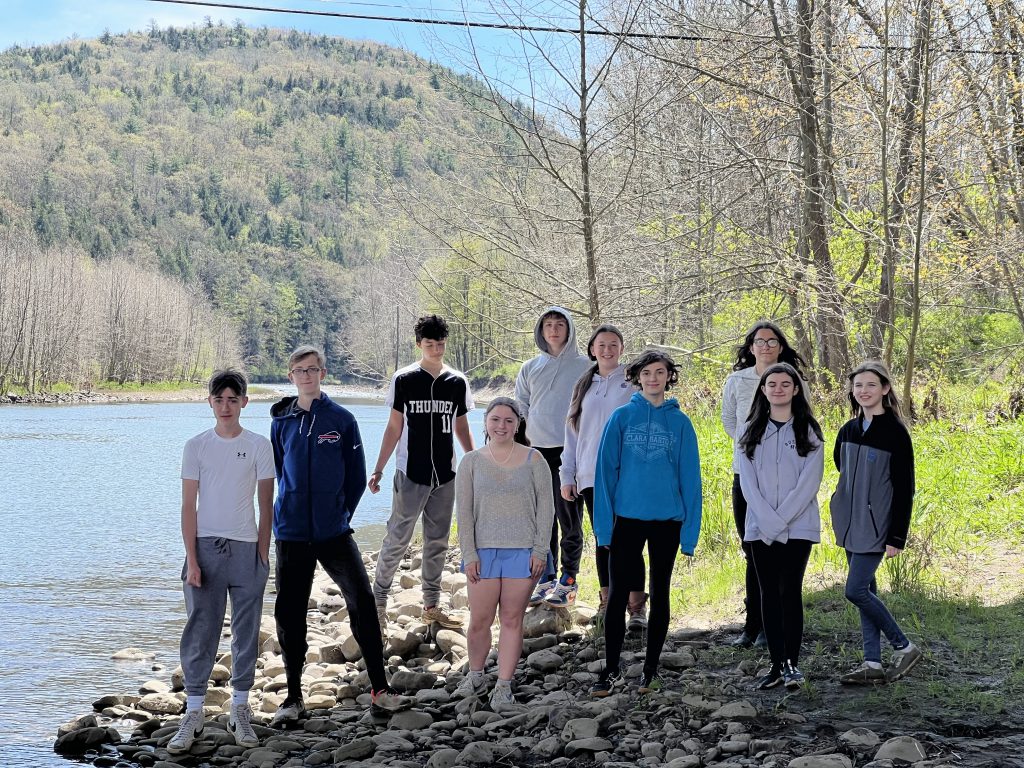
(781, 487)
(579, 456)
(544, 385)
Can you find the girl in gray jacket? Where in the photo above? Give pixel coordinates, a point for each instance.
(781, 462)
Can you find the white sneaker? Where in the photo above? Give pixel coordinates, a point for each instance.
(189, 728)
(240, 725)
(541, 592)
(502, 701)
(287, 714)
(470, 686)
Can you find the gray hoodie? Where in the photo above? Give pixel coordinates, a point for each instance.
(737, 399)
(544, 385)
(781, 487)
(579, 455)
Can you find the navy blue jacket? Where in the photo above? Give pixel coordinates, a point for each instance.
(321, 471)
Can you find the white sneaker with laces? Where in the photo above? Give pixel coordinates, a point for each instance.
(240, 726)
(471, 685)
(502, 701)
(189, 728)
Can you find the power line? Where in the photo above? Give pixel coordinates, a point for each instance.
(446, 22)
(467, 24)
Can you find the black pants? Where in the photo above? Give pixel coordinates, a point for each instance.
(602, 552)
(340, 557)
(626, 568)
(568, 518)
(753, 624)
(780, 571)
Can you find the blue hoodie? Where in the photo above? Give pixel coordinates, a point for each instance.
(648, 468)
(321, 471)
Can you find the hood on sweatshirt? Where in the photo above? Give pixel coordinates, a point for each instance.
(538, 332)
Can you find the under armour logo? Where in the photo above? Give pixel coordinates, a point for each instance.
(241, 455)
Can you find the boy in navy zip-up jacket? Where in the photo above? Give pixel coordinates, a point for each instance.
(321, 474)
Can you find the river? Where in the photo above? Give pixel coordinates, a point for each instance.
(90, 553)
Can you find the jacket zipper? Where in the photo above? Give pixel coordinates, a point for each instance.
(853, 486)
(309, 476)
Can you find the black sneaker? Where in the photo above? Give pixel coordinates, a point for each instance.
(791, 676)
(761, 641)
(770, 680)
(650, 683)
(742, 641)
(605, 684)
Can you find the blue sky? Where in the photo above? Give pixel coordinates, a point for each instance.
(38, 22)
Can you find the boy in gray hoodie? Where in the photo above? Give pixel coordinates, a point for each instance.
(544, 388)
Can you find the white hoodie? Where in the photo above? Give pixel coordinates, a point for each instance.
(544, 385)
(579, 456)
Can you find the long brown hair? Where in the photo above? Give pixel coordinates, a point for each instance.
(889, 400)
(761, 410)
(582, 386)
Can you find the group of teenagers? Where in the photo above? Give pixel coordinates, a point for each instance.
(583, 431)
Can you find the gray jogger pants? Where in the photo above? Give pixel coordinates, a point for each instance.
(227, 567)
(408, 501)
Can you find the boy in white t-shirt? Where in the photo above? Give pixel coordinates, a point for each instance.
(226, 554)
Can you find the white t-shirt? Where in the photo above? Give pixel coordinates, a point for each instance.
(227, 471)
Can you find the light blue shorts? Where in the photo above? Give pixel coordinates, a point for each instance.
(504, 563)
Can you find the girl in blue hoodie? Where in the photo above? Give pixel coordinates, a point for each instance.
(647, 493)
(781, 462)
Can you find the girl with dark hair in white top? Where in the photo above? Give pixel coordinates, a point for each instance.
(505, 508)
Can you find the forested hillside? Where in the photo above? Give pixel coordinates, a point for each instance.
(251, 166)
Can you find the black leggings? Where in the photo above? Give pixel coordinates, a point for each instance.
(602, 552)
(626, 568)
(753, 624)
(568, 521)
(780, 571)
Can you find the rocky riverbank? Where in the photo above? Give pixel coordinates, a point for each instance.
(707, 715)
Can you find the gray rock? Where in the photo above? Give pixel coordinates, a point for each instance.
(77, 743)
(485, 753)
(901, 748)
(154, 686)
(392, 742)
(548, 748)
(675, 660)
(653, 749)
(112, 701)
(581, 746)
(580, 728)
(357, 749)
(133, 654)
(859, 739)
(162, 703)
(735, 710)
(402, 642)
(443, 758)
(684, 761)
(411, 720)
(405, 680)
(448, 640)
(545, 620)
(821, 761)
(83, 721)
(545, 660)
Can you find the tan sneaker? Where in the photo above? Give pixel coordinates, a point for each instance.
(435, 615)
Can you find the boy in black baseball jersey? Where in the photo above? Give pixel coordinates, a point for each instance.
(429, 403)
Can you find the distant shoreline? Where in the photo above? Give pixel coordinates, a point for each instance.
(257, 392)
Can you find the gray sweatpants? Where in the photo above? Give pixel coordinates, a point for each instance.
(409, 500)
(227, 567)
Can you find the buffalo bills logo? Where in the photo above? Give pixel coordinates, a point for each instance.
(328, 437)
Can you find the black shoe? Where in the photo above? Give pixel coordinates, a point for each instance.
(743, 641)
(761, 641)
(770, 680)
(650, 683)
(606, 683)
(792, 676)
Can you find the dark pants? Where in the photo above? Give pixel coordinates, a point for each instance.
(753, 624)
(875, 619)
(780, 572)
(568, 518)
(626, 568)
(340, 557)
(602, 552)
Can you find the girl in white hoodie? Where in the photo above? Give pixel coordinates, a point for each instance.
(781, 462)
